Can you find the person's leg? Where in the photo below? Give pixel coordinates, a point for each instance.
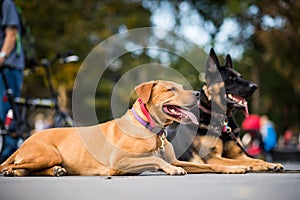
(15, 80)
(3, 103)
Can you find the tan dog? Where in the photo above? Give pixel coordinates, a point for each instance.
(121, 146)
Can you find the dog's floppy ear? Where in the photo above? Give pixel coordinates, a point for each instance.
(144, 90)
(228, 61)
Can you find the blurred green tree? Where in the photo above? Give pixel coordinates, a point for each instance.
(61, 25)
(266, 38)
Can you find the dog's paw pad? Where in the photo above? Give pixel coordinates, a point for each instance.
(278, 168)
(248, 169)
(7, 172)
(59, 171)
(172, 170)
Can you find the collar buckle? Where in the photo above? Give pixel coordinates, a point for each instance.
(162, 138)
(226, 128)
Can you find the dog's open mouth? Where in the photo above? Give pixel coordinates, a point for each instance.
(240, 101)
(181, 114)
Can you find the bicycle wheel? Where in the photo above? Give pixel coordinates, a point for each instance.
(1, 143)
(62, 119)
(23, 129)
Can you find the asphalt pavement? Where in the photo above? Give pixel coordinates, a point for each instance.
(151, 186)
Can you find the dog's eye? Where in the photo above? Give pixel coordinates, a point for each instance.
(172, 89)
(232, 78)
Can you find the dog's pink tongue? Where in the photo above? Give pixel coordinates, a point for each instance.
(246, 112)
(191, 115)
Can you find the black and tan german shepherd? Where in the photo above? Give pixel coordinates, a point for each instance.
(216, 140)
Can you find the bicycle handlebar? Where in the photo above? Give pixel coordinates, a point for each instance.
(36, 102)
(69, 59)
(63, 58)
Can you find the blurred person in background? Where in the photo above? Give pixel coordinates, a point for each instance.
(269, 137)
(290, 140)
(261, 137)
(252, 139)
(11, 54)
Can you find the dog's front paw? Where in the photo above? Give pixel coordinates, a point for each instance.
(265, 166)
(276, 167)
(8, 172)
(172, 170)
(59, 171)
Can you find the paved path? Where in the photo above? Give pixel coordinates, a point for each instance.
(158, 186)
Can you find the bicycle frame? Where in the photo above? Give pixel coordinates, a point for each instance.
(9, 94)
(21, 127)
(20, 117)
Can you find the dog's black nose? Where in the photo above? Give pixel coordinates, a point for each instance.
(253, 86)
(197, 94)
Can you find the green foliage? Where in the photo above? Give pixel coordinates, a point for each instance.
(77, 25)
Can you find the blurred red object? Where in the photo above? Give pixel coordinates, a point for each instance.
(251, 123)
(288, 134)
